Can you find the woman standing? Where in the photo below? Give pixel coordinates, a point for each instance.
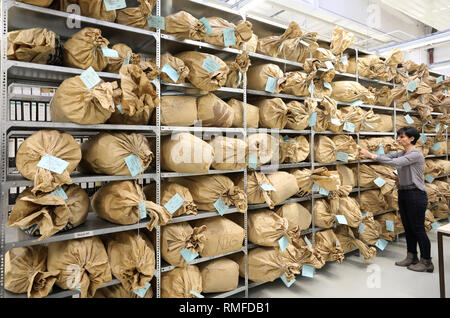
(412, 197)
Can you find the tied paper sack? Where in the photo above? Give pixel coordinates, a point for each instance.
(219, 275)
(369, 232)
(183, 282)
(126, 56)
(237, 68)
(74, 102)
(186, 153)
(297, 83)
(47, 214)
(26, 271)
(328, 245)
(255, 192)
(136, 17)
(35, 45)
(207, 190)
(296, 215)
(265, 76)
(349, 92)
(206, 71)
(238, 118)
(178, 110)
(47, 158)
(373, 201)
(168, 191)
(326, 150)
(386, 232)
(82, 263)
(272, 113)
(83, 50)
(229, 153)
(381, 176)
(240, 33)
(124, 202)
(262, 148)
(118, 291)
(285, 184)
(327, 114)
(222, 236)
(214, 112)
(184, 25)
(95, 9)
(349, 242)
(132, 258)
(300, 116)
(179, 238)
(293, 149)
(270, 45)
(169, 64)
(342, 204)
(305, 253)
(111, 154)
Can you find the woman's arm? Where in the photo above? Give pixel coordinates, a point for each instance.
(409, 158)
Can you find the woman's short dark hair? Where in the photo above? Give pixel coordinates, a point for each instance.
(409, 132)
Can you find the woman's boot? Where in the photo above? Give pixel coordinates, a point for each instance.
(411, 258)
(425, 265)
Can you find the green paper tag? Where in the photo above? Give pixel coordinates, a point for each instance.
(311, 88)
(412, 86)
(187, 255)
(313, 119)
(408, 119)
(60, 193)
(429, 178)
(284, 243)
(267, 187)
(336, 121)
(348, 126)
(307, 271)
(327, 85)
(315, 187)
(252, 161)
(210, 65)
(323, 191)
(142, 291)
(423, 137)
(407, 107)
(440, 79)
(329, 65)
(379, 182)
(119, 107)
(90, 78)
(436, 146)
(381, 244)
(390, 225)
(142, 210)
(380, 150)
(126, 60)
(196, 294)
(341, 219)
(133, 164)
(110, 52)
(174, 203)
(307, 242)
(220, 206)
(156, 22)
(342, 156)
(271, 85)
(170, 71)
(206, 25)
(435, 225)
(53, 164)
(361, 228)
(229, 38)
(111, 5)
(344, 60)
(288, 284)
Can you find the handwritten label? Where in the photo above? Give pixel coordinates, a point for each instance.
(407, 106)
(423, 137)
(220, 206)
(315, 187)
(313, 119)
(267, 187)
(341, 219)
(206, 25)
(170, 71)
(348, 126)
(110, 52)
(142, 291)
(381, 244)
(196, 294)
(174, 203)
(156, 22)
(229, 38)
(252, 161)
(283, 243)
(90, 78)
(187, 255)
(210, 65)
(357, 103)
(284, 279)
(307, 271)
(435, 225)
(84, 234)
(412, 86)
(390, 225)
(342, 156)
(53, 164)
(271, 84)
(429, 178)
(133, 164)
(111, 5)
(60, 193)
(379, 182)
(142, 210)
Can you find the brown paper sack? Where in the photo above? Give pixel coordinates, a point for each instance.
(95, 9)
(349, 242)
(179, 236)
(365, 65)
(74, 102)
(285, 184)
(264, 147)
(35, 45)
(199, 76)
(401, 122)
(257, 76)
(266, 228)
(180, 282)
(219, 275)
(297, 83)
(384, 124)
(371, 232)
(328, 245)
(222, 236)
(325, 150)
(177, 64)
(385, 233)
(327, 111)
(47, 142)
(238, 118)
(105, 153)
(168, 191)
(392, 199)
(435, 167)
(441, 150)
(296, 214)
(40, 3)
(26, 271)
(272, 113)
(186, 153)
(349, 92)
(304, 180)
(368, 174)
(182, 24)
(136, 17)
(255, 193)
(252, 44)
(118, 202)
(237, 68)
(270, 45)
(305, 254)
(295, 49)
(206, 190)
(373, 201)
(82, 263)
(83, 50)
(299, 114)
(429, 219)
(214, 112)
(125, 52)
(293, 149)
(242, 32)
(323, 216)
(346, 175)
(178, 110)
(118, 291)
(47, 214)
(349, 207)
(346, 144)
(229, 153)
(132, 258)
(341, 40)
(433, 192)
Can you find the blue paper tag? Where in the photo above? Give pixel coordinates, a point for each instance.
(440, 79)
(252, 161)
(267, 187)
(380, 150)
(196, 294)
(357, 103)
(307, 242)
(342, 156)
(174, 203)
(327, 85)
(329, 65)
(381, 244)
(284, 279)
(348, 126)
(114, 4)
(110, 52)
(60, 193)
(407, 107)
(90, 78)
(307, 271)
(156, 22)
(408, 119)
(142, 210)
(220, 206)
(436, 146)
(187, 255)
(170, 71)
(229, 38)
(53, 164)
(423, 137)
(119, 107)
(412, 86)
(341, 219)
(390, 225)
(336, 121)
(313, 119)
(206, 25)
(379, 182)
(315, 187)
(361, 228)
(323, 191)
(126, 60)
(364, 213)
(133, 165)
(437, 128)
(271, 84)
(344, 60)
(142, 291)
(210, 65)
(435, 225)
(311, 88)
(429, 178)
(283, 242)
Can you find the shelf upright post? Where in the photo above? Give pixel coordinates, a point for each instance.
(311, 144)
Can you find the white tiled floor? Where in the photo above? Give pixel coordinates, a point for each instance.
(355, 278)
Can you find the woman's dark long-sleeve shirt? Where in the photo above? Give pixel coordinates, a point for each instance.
(409, 167)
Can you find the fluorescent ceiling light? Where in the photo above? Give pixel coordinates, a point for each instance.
(428, 40)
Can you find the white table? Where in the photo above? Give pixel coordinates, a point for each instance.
(443, 230)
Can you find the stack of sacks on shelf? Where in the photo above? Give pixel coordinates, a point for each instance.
(439, 207)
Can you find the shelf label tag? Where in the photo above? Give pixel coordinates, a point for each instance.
(133, 165)
(307, 271)
(119, 107)
(412, 86)
(323, 191)
(84, 234)
(220, 206)
(357, 103)
(53, 164)
(390, 225)
(174, 203)
(344, 60)
(315, 187)
(110, 52)
(252, 161)
(114, 4)
(423, 137)
(229, 38)
(188, 255)
(336, 121)
(435, 225)
(142, 291)
(196, 294)
(381, 244)
(311, 88)
(90, 78)
(436, 146)
(156, 22)
(341, 219)
(380, 150)
(267, 187)
(429, 178)
(379, 182)
(284, 279)
(170, 71)
(60, 193)
(206, 25)
(142, 210)
(304, 43)
(283, 242)
(440, 79)
(348, 126)
(313, 119)
(210, 65)
(408, 119)
(407, 106)
(361, 228)
(327, 85)
(342, 156)
(308, 242)
(329, 65)
(271, 85)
